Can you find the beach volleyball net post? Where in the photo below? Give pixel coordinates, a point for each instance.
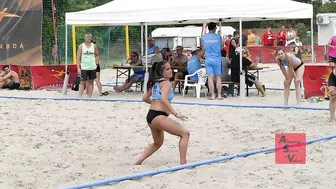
(111, 40)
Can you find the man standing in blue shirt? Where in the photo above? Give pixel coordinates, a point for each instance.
(212, 44)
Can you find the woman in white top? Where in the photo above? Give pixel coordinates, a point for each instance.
(290, 35)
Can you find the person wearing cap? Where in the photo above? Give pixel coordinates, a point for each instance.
(249, 78)
(212, 44)
(194, 63)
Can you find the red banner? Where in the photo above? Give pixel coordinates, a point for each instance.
(43, 77)
(315, 79)
(320, 52)
(254, 53)
(24, 75)
(268, 53)
(51, 77)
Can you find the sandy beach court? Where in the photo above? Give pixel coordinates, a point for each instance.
(53, 144)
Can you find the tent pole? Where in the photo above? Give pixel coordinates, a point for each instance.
(66, 78)
(142, 34)
(66, 48)
(74, 57)
(220, 33)
(108, 47)
(127, 43)
(146, 51)
(312, 39)
(242, 75)
(220, 28)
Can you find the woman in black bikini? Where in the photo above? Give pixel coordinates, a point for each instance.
(295, 70)
(160, 89)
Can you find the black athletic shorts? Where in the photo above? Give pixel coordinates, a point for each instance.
(332, 59)
(153, 114)
(88, 75)
(12, 85)
(249, 79)
(332, 80)
(98, 68)
(15, 86)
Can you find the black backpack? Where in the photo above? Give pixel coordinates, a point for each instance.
(76, 83)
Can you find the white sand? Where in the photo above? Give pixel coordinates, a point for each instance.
(54, 144)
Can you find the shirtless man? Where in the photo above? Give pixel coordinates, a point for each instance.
(9, 79)
(2, 82)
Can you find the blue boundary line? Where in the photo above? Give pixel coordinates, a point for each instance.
(174, 102)
(190, 165)
(269, 70)
(176, 168)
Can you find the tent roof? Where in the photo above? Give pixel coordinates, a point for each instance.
(196, 31)
(152, 12)
(166, 32)
(188, 31)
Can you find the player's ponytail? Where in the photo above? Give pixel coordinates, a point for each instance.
(155, 74)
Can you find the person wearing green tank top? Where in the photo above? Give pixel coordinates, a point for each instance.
(88, 57)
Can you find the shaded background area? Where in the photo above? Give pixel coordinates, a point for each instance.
(20, 32)
(111, 40)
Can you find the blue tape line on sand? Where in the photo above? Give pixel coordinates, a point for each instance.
(269, 70)
(174, 102)
(274, 89)
(189, 165)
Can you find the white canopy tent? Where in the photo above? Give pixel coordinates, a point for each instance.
(150, 12)
(133, 12)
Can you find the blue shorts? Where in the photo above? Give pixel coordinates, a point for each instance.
(140, 76)
(213, 66)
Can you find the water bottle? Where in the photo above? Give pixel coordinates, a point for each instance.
(235, 92)
(123, 63)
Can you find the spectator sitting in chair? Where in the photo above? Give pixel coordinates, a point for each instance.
(139, 73)
(9, 79)
(167, 55)
(226, 64)
(180, 60)
(235, 70)
(194, 63)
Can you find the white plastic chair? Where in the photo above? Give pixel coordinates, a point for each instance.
(202, 78)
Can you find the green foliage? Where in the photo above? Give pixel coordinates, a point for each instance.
(62, 7)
